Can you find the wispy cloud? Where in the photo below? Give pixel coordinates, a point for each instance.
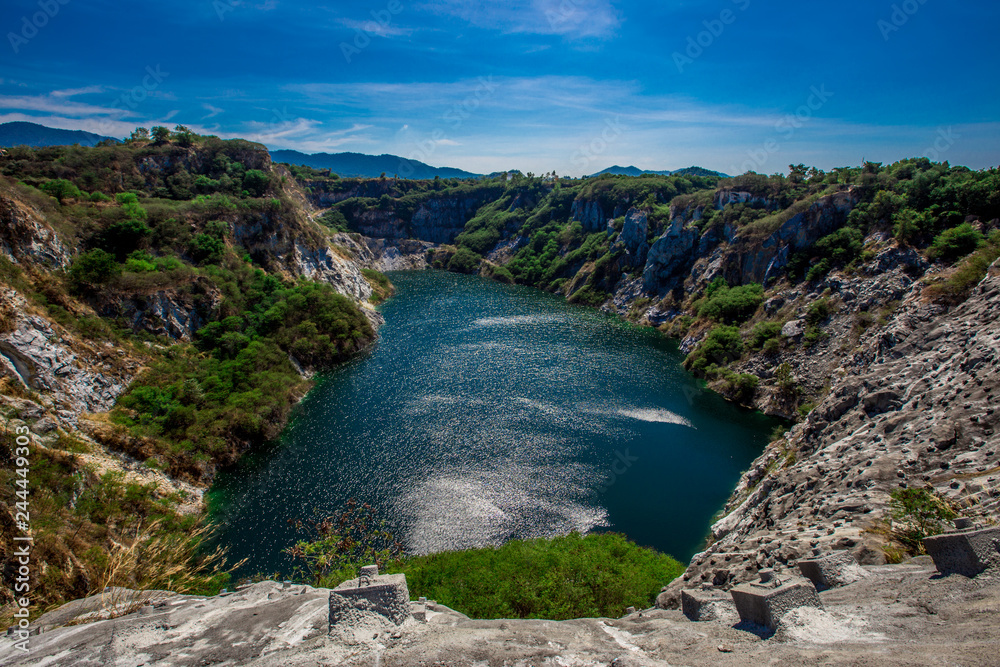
(573, 19)
(55, 104)
(213, 111)
(386, 30)
(72, 92)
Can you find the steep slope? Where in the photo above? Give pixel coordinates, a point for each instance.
(148, 335)
(911, 407)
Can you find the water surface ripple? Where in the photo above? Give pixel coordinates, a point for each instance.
(491, 412)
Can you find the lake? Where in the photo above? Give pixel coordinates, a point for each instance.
(490, 412)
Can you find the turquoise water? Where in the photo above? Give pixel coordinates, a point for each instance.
(491, 412)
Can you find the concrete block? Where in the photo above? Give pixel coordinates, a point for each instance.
(386, 595)
(837, 568)
(708, 605)
(763, 603)
(967, 552)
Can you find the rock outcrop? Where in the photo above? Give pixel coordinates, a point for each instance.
(72, 375)
(912, 407)
(897, 615)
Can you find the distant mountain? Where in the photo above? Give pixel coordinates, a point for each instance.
(20, 133)
(629, 171)
(368, 166)
(635, 171)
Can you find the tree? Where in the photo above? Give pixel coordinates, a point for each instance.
(956, 242)
(256, 182)
(94, 268)
(61, 189)
(139, 135)
(920, 514)
(797, 172)
(161, 135)
(185, 137)
(124, 237)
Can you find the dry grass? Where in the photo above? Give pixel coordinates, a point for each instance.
(151, 561)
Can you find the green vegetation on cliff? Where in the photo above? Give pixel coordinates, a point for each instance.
(197, 225)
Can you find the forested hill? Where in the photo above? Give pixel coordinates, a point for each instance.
(368, 166)
(163, 304)
(19, 133)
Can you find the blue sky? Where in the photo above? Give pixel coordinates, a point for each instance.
(538, 85)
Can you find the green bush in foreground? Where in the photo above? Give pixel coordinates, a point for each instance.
(560, 578)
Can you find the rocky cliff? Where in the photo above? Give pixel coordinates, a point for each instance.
(912, 407)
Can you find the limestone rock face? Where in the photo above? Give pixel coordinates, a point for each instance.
(668, 257)
(912, 406)
(39, 355)
(633, 237)
(590, 215)
(26, 237)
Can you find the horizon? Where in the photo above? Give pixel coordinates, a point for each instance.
(571, 86)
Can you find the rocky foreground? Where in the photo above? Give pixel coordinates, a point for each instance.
(897, 615)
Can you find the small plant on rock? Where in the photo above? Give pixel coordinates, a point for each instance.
(917, 513)
(342, 543)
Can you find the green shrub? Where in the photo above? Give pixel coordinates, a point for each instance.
(207, 249)
(731, 305)
(140, 262)
(92, 268)
(559, 578)
(920, 514)
(722, 346)
(464, 261)
(61, 189)
(763, 332)
(818, 311)
(589, 295)
(256, 182)
(742, 386)
(122, 238)
(785, 380)
(970, 272)
(955, 243)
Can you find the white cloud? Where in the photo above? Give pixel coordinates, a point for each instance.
(574, 19)
(386, 30)
(213, 111)
(54, 104)
(71, 92)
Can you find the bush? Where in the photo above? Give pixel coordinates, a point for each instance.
(464, 261)
(256, 182)
(817, 312)
(722, 345)
(61, 189)
(140, 262)
(920, 514)
(124, 237)
(970, 272)
(741, 387)
(763, 332)
(731, 305)
(94, 268)
(207, 249)
(589, 296)
(955, 243)
(560, 578)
